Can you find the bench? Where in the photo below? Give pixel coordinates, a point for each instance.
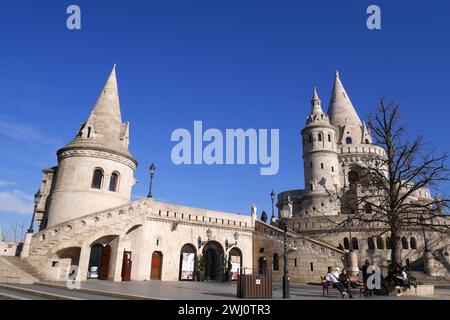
(325, 286)
(358, 285)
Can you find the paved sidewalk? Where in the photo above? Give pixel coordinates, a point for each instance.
(227, 291)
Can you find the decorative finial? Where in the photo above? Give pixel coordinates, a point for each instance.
(337, 73)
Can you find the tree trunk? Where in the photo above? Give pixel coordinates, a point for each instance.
(396, 248)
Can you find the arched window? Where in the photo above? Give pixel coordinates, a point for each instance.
(97, 179)
(413, 243)
(388, 243)
(367, 141)
(276, 262)
(355, 244)
(348, 140)
(310, 139)
(368, 208)
(371, 243)
(380, 243)
(405, 243)
(329, 137)
(114, 182)
(319, 137)
(346, 244)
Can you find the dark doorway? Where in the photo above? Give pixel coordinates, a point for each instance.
(262, 265)
(104, 263)
(156, 271)
(95, 261)
(214, 261)
(127, 264)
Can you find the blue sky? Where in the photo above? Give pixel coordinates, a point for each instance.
(231, 64)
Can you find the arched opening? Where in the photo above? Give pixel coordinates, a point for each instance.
(97, 179)
(353, 178)
(366, 141)
(276, 262)
(371, 243)
(405, 243)
(157, 261)
(413, 243)
(368, 208)
(262, 265)
(188, 262)
(380, 243)
(348, 140)
(355, 244)
(329, 137)
(235, 257)
(346, 244)
(114, 182)
(214, 260)
(319, 137)
(100, 263)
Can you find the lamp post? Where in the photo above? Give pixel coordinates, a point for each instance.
(37, 199)
(202, 243)
(285, 213)
(272, 196)
(231, 245)
(152, 173)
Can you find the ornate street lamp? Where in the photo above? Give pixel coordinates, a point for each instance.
(202, 243)
(37, 199)
(231, 245)
(152, 173)
(285, 214)
(272, 196)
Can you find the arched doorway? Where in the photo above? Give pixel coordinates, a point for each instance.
(235, 257)
(99, 261)
(188, 263)
(214, 261)
(262, 265)
(156, 271)
(68, 260)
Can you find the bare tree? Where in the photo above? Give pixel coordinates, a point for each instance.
(390, 191)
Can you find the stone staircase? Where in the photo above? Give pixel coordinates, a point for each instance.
(26, 267)
(423, 278)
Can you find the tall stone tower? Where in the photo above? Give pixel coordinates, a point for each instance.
(95, 170)
(321, 165)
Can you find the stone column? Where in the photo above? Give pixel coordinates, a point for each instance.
(428, 264)
(83, 264)
(353, 268)
(26, 246)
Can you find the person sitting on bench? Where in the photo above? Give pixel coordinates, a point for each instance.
(332, 279)
(344, 278)
(400, 280)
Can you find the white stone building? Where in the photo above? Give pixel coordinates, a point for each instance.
(91, 228)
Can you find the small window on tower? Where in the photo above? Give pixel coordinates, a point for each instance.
(329, 137)
(311, 187)
(321, 166)
(310, 139)
(97, 179)
(332, 169)
(114, 182)
(320, 137)
(348, 140)
(310, 164)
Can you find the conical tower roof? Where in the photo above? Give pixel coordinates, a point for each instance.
(341, 111)
(317, 114)
(103, 128)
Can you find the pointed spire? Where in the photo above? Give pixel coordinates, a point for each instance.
(341, 110)
(103, 127)
(316, 103)
(107, 108)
